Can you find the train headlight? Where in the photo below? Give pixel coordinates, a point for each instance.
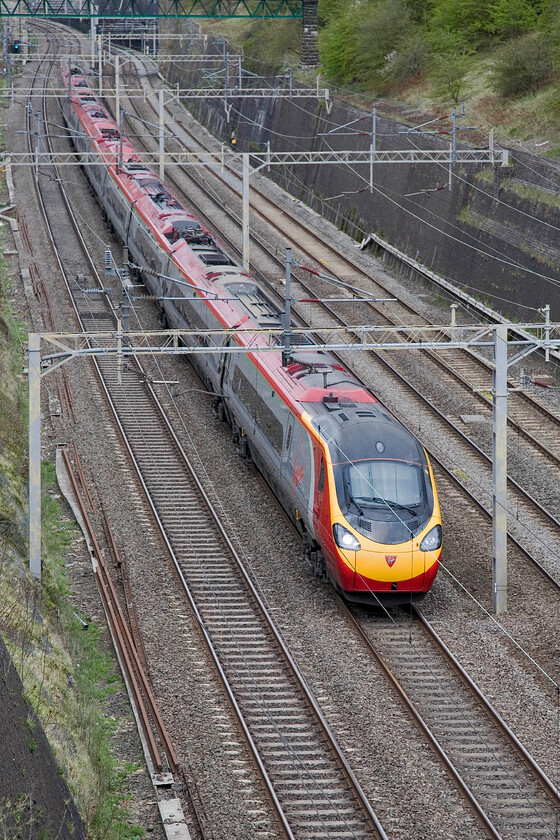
(344, 539)
(432, 540)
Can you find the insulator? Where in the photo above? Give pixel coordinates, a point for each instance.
(108, 259)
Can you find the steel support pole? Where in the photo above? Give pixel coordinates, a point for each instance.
(245, 202)
(117, 89)
(92, 34)
(161, 140)
(499, 472)
(34, 376)
(373, 146)
(100, 60)
(454, 138)
(287, 352)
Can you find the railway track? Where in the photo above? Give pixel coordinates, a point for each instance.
(309, 782)
(511, 795)
(527, 417)
(518, 807)
(468, 372)
(232, 644)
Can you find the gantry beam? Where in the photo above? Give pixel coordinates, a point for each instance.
(496, 157)
(521, 339)
(153, 8)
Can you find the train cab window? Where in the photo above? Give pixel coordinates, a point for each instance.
(322, 475)
(385, 482)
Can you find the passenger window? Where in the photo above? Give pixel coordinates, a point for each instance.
(321, 482)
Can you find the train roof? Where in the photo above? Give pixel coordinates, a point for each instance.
(312, 377)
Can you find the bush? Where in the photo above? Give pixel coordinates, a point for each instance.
(468, 19)
(523, 65)
(338, 49)
(377, 34)
(407, 60)
(355, 43)
(510, 18)
(265, 47)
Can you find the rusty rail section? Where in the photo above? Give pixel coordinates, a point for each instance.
(130, 606)
(142, 695)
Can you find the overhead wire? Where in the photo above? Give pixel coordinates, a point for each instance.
(179, 413)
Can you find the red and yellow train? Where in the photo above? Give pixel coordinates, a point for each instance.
(357, 484)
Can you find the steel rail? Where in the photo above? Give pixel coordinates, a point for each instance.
(127, 649)
(528, 759)
(477, 362)
(143, 697)
(464, 786)
(371, 818)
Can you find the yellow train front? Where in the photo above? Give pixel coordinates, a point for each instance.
(376, 513)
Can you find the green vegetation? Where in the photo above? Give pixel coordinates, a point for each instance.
(68, 674)
(380, 44)
(500, 56)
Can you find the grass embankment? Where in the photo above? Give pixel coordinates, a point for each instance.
(67, 674)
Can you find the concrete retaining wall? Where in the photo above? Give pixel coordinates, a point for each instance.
(486, 234)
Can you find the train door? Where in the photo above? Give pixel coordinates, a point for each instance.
(298, 470)
(321, 509)
(288, 495)
(320, 472)
(219, 402)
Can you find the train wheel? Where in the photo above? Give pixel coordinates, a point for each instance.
(218, 409)
(241, 443)
(242, 448)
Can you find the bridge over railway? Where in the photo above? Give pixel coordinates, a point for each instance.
(155, 8)
(131, 11)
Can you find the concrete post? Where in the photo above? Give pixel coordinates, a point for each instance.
(34, 376)
(499, 472)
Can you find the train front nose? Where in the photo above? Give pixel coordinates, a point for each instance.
(388, 569)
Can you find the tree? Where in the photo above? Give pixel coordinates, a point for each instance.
(523, 65)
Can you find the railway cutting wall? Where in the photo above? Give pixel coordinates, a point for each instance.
(35, 801)
(494, 234)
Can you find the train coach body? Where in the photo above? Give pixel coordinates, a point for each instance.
(355, 481)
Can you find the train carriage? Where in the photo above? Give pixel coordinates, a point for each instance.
(357, 484)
